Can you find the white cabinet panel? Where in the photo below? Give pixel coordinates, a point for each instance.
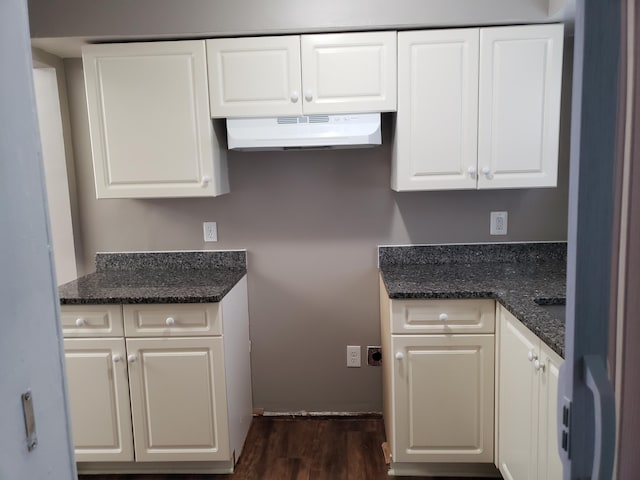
(151, 132)
(549, 463)
(308, 74)
(443, 316)
(255, 76)
(92, 320)
(518, 400)
(178, 399)
(170, 320)
(519, 112)
(478, 108)
(444, 398)
(437, 123)
(96, 371)
(349, 72)
(527, 419)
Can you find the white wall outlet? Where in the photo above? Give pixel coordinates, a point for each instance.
(353, 355)
(498, 225)
(210, 231)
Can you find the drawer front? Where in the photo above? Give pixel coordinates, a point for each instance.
(442, 316)
(172, 320)
(92, 320)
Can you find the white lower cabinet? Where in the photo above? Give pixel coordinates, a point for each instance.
(166, 389)
(99, 398)
(528, 386)
(178, 401)
(438, 385)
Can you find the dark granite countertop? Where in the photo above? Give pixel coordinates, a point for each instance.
(157, 277)
(514, 274)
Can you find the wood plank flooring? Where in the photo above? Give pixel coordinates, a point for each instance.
(302, 449)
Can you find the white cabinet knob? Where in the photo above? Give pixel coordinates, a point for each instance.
(472, 171)
(538, 365)
(205, 180)
(486, 171)
(80, 322)
(399, 356)
(308, 95)
(170, 321)
(117, 357)
(443, 317)
(295, 96)
(532, 356)
(132, 358)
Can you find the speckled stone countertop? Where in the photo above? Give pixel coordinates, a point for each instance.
(157, 277)
(514, 274)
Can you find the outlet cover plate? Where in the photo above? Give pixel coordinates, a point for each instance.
(353, 356)
(498, 225)
(210, 230)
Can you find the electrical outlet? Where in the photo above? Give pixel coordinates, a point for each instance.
(353, 355)
(374, 356)
(210, 231)
(498, 224)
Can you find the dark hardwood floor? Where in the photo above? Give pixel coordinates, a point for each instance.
(302, 449)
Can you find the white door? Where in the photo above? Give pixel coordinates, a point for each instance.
(151, 132)
(178, 399)
(518, 400)
(437, 123)
(349, 72)
(99, 399)
(254, 76)
(31, 353)
(549, 463)
(443, 393)
(519, 106)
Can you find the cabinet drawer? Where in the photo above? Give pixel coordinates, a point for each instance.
(442, 316)
(170, 320)
(91, 320)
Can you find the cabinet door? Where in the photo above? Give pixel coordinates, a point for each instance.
(178, 399)
(255, 76)
(443, 396)
(99, 399)
(549, 463)
(519, 112)
(435, 146)
(349, 72)
(151, 133)
(518, 400)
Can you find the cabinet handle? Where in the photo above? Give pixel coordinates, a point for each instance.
(170, 321)
(443, 317)
(295, 96)
(205, 181)
(132, 358)
(308, 95)
(399, 356)
(472, 171)
(532, 356)
(538, 365)
(116, 357)
(486, 171)
(80, 322)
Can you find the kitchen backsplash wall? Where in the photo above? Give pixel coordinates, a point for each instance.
(311, 223)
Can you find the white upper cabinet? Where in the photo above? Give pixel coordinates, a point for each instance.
(437, 123)
(519, 112)
(349, 72)
(308, 74)
(255, 76)
(478, 108)
(151, 132)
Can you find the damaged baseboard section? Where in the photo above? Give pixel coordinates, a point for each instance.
(259, 412)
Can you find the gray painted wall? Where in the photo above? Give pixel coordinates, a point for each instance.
(65, 18)
(311, 222)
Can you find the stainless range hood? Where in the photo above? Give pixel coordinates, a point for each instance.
(312, 131)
